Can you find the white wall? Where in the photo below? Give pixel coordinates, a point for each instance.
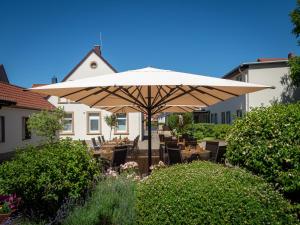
(268, 74)
(80, 121)
(84, 70)
(13, 129)
(231, 105)
(80, 110)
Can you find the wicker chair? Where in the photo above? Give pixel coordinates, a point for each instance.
(96, 147)
(174, 155)
(212, 146)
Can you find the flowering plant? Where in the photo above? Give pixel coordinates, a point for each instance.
(9, 203)
(158, 166)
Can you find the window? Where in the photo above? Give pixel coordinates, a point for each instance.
(93, 123)
(122, 123)
(2, 129)
(216, 118)
(93, 65)
(68, 123)
(26, 134)
(239, 78)
(228, 117)
(212, 118)
(239, 113)
(223, 117)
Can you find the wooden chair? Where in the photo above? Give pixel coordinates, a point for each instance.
(119, 156)
(95, 146)
(212, 146)
(220, 157)
(174, 155)
(161, 137)
(134, 147)
(99, 140)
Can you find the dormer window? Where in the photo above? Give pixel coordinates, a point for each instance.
(93, 65)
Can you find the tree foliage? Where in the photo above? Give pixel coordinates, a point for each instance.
(47, 123)
(294, 62)
(111, 121)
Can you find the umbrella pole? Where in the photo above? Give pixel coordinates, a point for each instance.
(149, 130)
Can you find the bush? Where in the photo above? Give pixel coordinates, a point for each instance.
(267, 142)
(44, 176)
(204, 130)
(207, 193)
(112, 202)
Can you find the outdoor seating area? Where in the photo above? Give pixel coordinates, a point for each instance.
(172, 150)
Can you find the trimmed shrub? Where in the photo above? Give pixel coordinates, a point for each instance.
(112, 202)
(207, 193)
(44, 176)
(267, 142)
(204, 130)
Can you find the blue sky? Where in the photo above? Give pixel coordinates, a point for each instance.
(39, 39)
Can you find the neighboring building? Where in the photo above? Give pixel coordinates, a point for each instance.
(268, 71)
(83, 122)
(16, 105)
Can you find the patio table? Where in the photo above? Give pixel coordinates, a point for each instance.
(201, 152)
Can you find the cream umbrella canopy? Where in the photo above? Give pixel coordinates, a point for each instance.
(149, 90)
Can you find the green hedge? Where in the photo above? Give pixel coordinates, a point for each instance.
(207, 193)
(112, 202)
(204, 130)
(267, 142)
(44, 176)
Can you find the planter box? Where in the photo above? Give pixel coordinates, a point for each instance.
(4, 217)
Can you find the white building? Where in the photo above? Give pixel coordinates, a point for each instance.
(83, 122)
(269, 71)
(15, 108)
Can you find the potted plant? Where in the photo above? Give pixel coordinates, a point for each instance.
(5, 212)
(8, 204)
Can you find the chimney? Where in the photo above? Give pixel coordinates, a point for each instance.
(54, 80)
(291, 55)
(97, 49)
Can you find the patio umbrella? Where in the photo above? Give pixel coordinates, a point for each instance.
(149, 90)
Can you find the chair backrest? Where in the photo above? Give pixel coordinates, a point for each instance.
(135, 142)
(119, 156)
(212, 146)
(168, 138)
(220, 157)
(174, 155)
(103, 140)
(94, 142)
(192, 143)
(171, 144)
(161, 137)
(99, 139)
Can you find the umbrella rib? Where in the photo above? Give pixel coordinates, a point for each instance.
(99, 100)
(95, 93)
(126, 99)
(195, 97)
(125, 91)
(140, 95)
(158, 110)
(74, 92)
(177, 96)
(183, 109)
(157, 94)
(161, 101)
(204, 92)
(227, 92)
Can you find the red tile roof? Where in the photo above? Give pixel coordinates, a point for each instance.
(270, 59)
(23, 99)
